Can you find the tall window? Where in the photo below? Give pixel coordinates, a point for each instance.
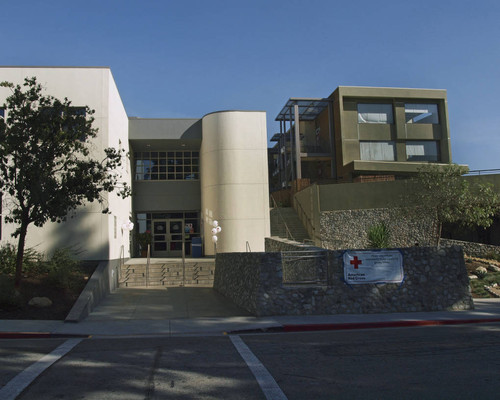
(373, 113)
(378, 151)
(422, 150)
(167, 166)
(421, 114)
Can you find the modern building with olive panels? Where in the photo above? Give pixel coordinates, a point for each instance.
(360, 134)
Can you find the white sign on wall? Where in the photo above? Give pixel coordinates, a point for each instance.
(373, 266)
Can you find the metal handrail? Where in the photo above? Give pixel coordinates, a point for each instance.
(122, 262)
(147, 264)
(308, 220)
(275, 204)
(483, 172)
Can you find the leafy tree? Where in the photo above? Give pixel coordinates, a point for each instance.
(444, 191)
(46, 167)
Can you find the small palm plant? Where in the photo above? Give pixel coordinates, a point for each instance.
(378, 236)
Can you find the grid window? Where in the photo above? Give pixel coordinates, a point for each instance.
(423, 150)
(378, 151)
(421, 114)
(167, 166)
(375, 113)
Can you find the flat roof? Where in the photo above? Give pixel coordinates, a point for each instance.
(309, 109)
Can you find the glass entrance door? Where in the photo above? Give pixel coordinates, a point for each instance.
(167, 238)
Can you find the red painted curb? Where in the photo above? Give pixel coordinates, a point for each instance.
(38, 335)
(384, 324)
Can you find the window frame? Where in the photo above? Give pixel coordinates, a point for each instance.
(392, 144)
(434, 114)
(424, 157)
(389, 115)
(174, 165)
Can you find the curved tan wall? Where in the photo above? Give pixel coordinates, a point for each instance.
(234, 182)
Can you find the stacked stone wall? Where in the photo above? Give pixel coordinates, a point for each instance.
(435, 279)
(279, 244)
(348, 229)
(472, 249)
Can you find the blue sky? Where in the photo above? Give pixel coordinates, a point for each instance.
(188, 58)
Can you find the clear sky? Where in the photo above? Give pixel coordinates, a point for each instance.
(186, 58)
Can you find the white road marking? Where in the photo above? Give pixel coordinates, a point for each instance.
(265, 380)
(14, 388)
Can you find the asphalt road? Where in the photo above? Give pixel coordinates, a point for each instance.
(446, 362)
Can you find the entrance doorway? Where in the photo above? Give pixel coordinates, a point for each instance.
(167, 237)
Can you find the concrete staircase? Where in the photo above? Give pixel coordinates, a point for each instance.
(287, 215)
(168, 274)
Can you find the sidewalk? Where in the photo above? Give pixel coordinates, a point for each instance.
(486, 310)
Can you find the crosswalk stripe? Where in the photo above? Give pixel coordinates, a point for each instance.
(265, 380)
(22, 380)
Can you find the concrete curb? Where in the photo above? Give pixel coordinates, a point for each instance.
(361, 325)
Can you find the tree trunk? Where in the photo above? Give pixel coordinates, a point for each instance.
(20, 253)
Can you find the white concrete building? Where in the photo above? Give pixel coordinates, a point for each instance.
(184, 174)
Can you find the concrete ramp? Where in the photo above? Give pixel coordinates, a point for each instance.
(156, 303)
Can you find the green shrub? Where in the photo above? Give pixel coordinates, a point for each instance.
(378, 236)
(61, 268)
(492, 256)
(8, 254)
(32, 260)
(9, 297)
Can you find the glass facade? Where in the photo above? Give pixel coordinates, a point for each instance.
(167, 165)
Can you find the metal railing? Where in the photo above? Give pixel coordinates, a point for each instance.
(282, 220)
(311, 230)
(147, 264)
(483, 172)
(122, 262)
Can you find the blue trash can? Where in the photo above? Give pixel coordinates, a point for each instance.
(196, 247)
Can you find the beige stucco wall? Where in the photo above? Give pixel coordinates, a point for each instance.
(89, 232)
(234, 180)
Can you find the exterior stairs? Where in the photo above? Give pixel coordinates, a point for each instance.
(286, 217)
(168, 274)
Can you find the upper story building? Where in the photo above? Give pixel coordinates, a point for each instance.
(360, 134)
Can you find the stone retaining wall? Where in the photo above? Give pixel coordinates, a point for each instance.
(472, 249)
(274, 244)
(348, 229)
(435, 279)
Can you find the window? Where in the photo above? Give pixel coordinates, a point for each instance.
(2, 117)
(422, 150)
(372, 113)
(78, 111)
(421, 114)
(378, 151)
(167, 166)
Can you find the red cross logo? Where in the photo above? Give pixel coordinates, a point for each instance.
(356, 262)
